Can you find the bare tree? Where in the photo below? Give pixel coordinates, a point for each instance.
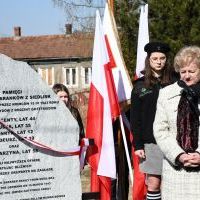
(81, 13)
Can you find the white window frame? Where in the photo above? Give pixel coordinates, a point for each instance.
(83, 69)
(46, 73)
(70, 76)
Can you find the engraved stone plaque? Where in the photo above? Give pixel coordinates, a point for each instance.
(32, 112)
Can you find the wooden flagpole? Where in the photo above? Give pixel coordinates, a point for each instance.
(111, 2)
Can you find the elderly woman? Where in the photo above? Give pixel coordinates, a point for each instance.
(176, 129)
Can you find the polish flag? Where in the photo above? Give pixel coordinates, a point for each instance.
(143, 39)
(121, 77)
(139, 186)
(101, 156)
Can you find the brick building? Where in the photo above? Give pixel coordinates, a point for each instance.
(64, 58)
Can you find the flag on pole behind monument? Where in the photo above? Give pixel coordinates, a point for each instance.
(143, 38)
(99, 117)
(122, 80)
(123, 87)
(139, 187)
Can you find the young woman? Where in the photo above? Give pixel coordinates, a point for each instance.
(157, 74)
(63, 93)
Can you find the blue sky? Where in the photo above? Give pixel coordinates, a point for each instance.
(36, 17)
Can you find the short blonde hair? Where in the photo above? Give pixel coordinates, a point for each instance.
(185, 56)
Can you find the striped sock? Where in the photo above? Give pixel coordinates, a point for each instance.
(153, 195)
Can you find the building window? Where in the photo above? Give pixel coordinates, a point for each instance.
(86, 73)
(71, 76)
(67, 74)
(74, 76)
(47, 75)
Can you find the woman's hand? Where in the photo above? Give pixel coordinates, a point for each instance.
(140, 153)
(195, 159)
(190, 159)
(184, 158)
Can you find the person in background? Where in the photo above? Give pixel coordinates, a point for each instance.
(176, 129)
(157, 74)
(63, 93)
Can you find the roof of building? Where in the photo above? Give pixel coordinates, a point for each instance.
(75, 45)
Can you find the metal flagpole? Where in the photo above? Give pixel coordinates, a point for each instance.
(126, 149)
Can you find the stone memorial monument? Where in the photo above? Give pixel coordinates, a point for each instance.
(35, 129)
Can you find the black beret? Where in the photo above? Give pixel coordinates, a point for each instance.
(156, 47)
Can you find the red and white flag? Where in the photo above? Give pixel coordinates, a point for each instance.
(101, 156)
(121, 77)
(143, 39)
(139, 187)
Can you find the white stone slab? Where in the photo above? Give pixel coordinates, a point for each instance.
(32, 110)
